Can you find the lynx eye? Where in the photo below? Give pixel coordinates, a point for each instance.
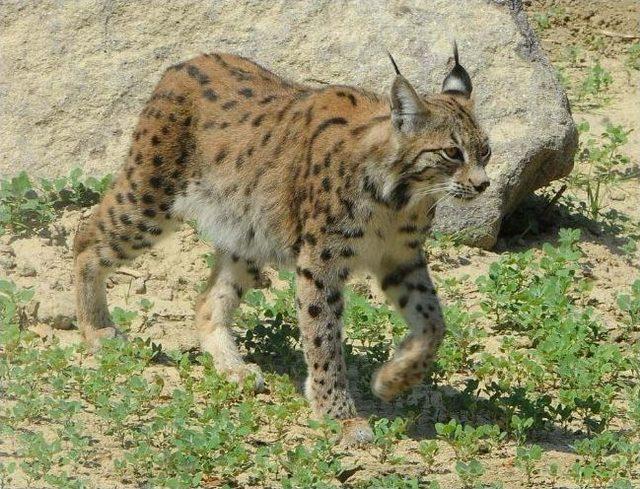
(486, 154)
(453, 154)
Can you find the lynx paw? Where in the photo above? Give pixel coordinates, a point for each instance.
(94, 337)
(239, 373)
(356, 431)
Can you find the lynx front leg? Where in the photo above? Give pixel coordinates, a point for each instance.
(320, 307)
(410, 288)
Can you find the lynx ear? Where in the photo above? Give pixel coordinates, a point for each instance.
(408, 112)
(457, 81)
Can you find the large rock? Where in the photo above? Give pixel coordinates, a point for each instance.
(74, 75)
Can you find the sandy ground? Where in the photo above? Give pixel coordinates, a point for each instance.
(598, 27)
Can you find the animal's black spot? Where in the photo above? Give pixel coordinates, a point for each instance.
(222, 154)
(403, 301)
(350, 96)
(258, 120)
(210, 95)
(156, 181)
(125, 219)
(409, 229)
(334, 297)
(119, 198)
(229, 105)
(148, 199)
(314, 311)
(246, 92)
(317, 341)
(266, 100)
(158, 160)
(326, 184)
(182, 158)
(347, 252)
(155, 140)
(149, 212)
(325, 254)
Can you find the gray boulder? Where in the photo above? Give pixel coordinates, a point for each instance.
(74, 76)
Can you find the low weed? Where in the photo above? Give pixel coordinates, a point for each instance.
(633, 56)
(629, 304)
(600, 165)
(26, 206)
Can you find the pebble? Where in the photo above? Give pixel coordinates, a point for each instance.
(27, 271)
(139, 285)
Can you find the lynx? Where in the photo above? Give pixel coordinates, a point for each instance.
(328, 181)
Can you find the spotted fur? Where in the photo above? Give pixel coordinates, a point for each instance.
(328, 181)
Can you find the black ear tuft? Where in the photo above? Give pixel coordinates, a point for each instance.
(393, 62)
(457, 81)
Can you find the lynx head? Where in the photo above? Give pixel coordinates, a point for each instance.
(441, 148)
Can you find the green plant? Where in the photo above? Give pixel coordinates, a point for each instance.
(386, 433)
(466, 441)
(122, 317)
(26, 207)
(596, 466)
(469, 472)
(6, 473)
(428, 450)
(591, 91)
(603, 162)
(12, 301)
(630, 305)
(527, 458)
(22, 208)
(520, 427)
(633, 56)
(630, 247)
(553, 469)
(543, 20)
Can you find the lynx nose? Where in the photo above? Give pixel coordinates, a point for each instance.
(480, 187)
(478, 178)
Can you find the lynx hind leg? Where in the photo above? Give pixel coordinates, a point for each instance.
(116, 233)
(90, 272)
(229, 279)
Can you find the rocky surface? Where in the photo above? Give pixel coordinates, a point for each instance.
(73, 76)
